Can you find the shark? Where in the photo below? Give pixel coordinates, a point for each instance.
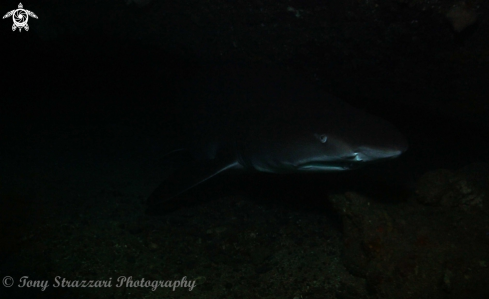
(264, 120)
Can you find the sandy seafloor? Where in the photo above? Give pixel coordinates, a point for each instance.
(73, 207)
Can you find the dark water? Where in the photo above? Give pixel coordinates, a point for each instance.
(155, 94)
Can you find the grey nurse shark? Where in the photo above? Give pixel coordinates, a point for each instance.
(257, 119)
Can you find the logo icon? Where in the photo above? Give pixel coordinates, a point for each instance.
(20, 16)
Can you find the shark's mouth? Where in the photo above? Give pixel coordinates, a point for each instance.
(329, 166)
(339, 165)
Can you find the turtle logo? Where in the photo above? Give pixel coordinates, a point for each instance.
(20, 17)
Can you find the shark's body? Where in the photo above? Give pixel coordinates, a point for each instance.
(270, 121)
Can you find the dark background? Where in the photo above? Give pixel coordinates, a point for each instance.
(94, 62)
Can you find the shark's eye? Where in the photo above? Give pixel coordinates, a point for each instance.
(323, 138)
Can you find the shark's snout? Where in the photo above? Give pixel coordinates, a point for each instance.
(369, 154)
(392, 146)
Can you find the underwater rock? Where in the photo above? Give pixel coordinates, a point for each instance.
(412, 250)
(449, 189)
(461, 16)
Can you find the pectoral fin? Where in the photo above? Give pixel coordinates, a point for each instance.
(188, 177)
